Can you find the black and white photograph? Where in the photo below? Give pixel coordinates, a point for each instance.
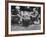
(25, 18)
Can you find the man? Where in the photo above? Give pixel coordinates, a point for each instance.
(18, 9)
(34, 15)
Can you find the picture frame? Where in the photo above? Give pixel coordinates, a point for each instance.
(8, 14)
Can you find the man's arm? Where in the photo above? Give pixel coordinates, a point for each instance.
(34, 15)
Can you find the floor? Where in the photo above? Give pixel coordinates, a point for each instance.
(21, 28)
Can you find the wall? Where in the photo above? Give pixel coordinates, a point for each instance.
(2, 19)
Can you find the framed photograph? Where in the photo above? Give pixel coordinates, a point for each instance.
(24, 18)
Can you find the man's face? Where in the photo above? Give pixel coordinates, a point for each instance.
(17, 7)
(34, 9)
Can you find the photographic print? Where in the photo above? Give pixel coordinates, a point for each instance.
(25, 18)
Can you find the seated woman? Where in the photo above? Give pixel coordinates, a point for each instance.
(26, 18)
